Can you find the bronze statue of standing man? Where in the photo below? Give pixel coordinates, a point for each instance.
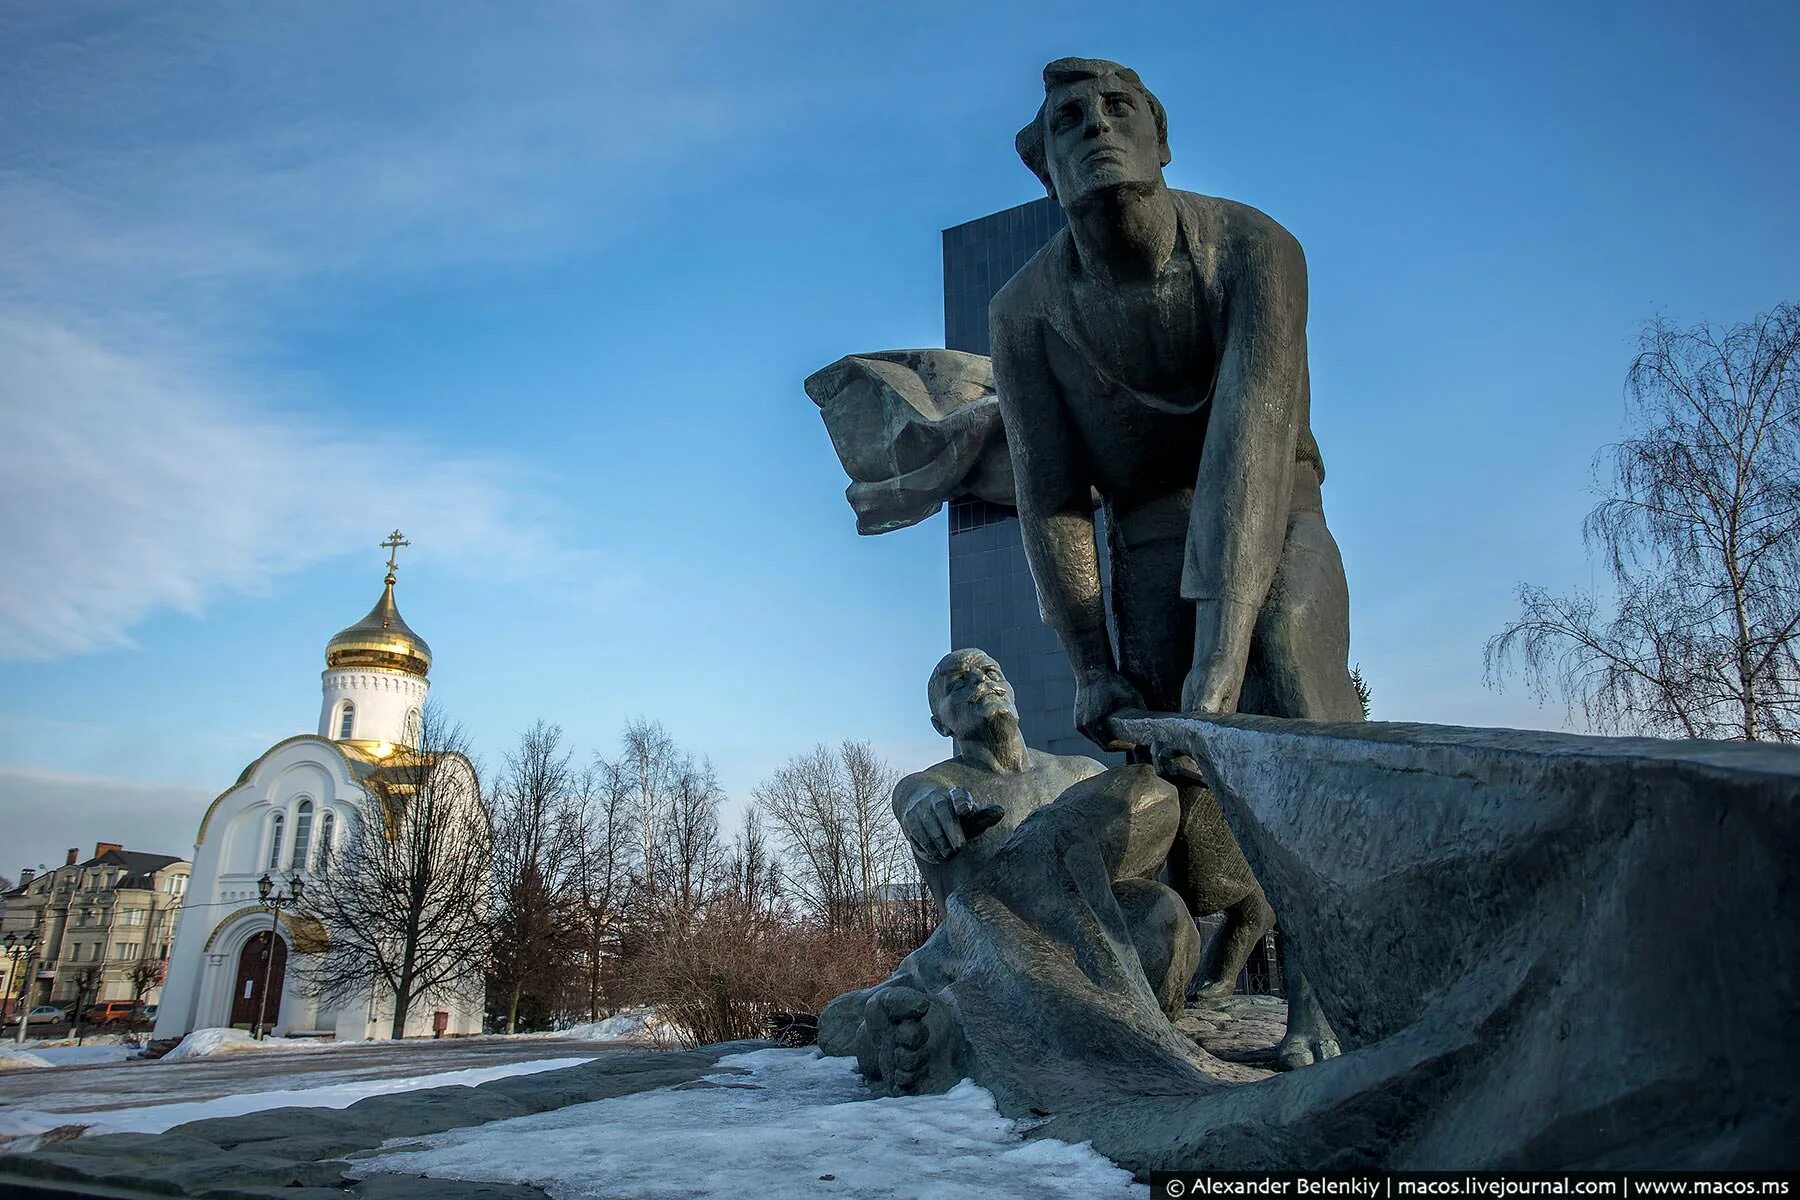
(1155, 353)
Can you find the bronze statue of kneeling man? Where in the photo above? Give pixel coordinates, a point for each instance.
(1058, 959)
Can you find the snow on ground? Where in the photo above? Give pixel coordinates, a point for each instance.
(205, 1043)
(632, 1025)
(64, 1052)
(797, 1125)
(14, 1059)
(155, 1118)
(85, 1056)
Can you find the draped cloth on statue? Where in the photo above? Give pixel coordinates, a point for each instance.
(913, 428)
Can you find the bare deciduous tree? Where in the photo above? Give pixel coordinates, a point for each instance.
(599, 830)
(831, 811)
(404, 900)
(690, 851)
(1701, 534)
(753, 870)
(533, 868)
(146, 973)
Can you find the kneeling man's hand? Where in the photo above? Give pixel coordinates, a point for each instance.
(931, 824)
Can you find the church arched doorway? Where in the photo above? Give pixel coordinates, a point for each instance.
(253, 968)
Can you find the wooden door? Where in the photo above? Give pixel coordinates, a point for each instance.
(253, 966)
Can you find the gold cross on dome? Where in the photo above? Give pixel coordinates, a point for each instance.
(393, 542)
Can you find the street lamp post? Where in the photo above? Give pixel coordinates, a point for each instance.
(274, 901)
(19, 946)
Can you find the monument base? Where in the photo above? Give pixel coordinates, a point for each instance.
(1539, 950)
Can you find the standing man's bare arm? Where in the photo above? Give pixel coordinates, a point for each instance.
(1056, 518)
(1239, 520)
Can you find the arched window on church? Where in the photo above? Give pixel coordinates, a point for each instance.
(411, 736)
(275, 842)
(302, 835)
(346, 720)
(327, 827)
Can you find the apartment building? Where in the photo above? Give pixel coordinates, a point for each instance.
(103, 928)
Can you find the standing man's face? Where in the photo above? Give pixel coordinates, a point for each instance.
(1099, 133)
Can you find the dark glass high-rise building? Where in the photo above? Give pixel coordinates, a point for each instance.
(993, 602)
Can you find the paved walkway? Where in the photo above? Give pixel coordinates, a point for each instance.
(135, 1083)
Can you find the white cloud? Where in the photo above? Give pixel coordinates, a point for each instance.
(168, 177)
(139, 484)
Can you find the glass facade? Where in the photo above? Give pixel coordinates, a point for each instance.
(993, 602)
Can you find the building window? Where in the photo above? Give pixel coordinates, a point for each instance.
(327, 827)
(302, 835)
(275, 843)
(346, 720)
(410, 737)
(132, 916)
(124, 950)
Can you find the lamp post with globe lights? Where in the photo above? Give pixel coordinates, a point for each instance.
(270, 898)
(20, 946)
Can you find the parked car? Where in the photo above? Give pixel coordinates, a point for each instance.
(47, 1013)
(150, 1012)
(112, 1012)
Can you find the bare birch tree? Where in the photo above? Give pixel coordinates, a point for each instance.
(1700, 532)
(404, 900)
(533, 867)
(649, 765)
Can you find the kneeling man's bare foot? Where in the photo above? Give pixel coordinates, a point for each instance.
(908, 1044)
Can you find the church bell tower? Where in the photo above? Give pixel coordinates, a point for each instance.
(375, 673)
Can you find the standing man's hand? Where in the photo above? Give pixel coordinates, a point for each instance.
(1222, 630)
(1099, 694)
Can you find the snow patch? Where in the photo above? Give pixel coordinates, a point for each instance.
(632, 1025)
(205, 1043)
(793, 1120)
(13, 1059)
(90, 1039)
(85, 1056)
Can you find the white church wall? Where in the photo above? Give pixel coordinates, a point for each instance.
(233, 853)
(175, 1015)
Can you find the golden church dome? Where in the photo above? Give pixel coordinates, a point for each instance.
(380, 639)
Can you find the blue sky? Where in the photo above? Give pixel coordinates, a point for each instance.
(538, 284)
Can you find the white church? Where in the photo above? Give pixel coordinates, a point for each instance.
(285, 813)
